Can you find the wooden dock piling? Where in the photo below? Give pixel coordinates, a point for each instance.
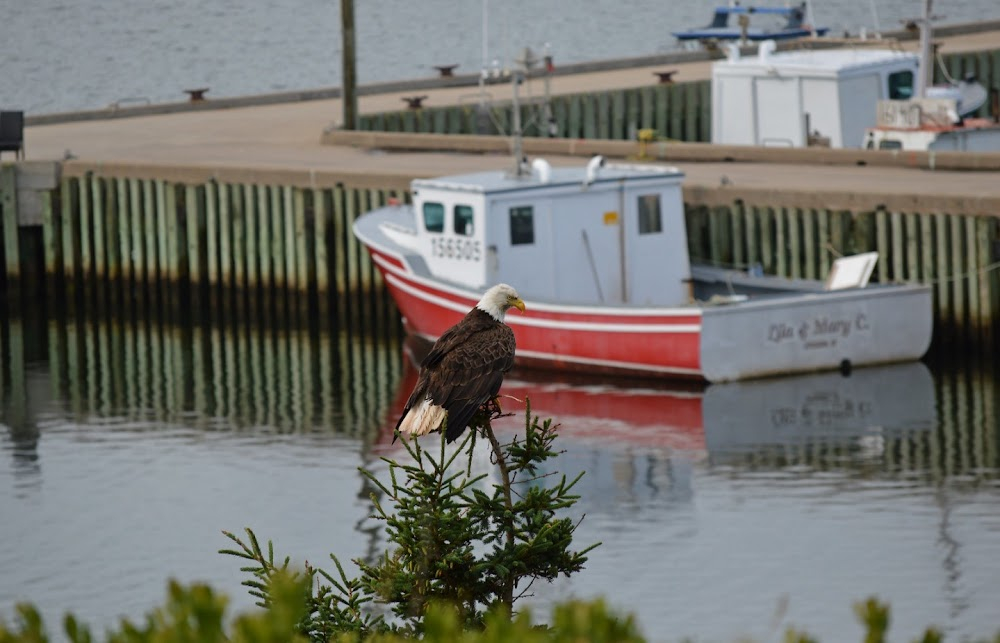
(69, 200)
(9, 222)
(216, 248)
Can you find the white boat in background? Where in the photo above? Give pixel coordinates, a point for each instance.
(800, 98)
(935, 118)
(600, 256)
(874, 98)
(938, 124)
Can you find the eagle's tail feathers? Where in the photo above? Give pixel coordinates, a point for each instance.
(423, 418)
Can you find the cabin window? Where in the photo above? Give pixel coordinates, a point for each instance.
(650, 219)
(901, 85)
(434, 217)
(889, 144)
(522, 225)
(463, 220)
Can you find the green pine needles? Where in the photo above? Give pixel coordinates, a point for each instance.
(456, 538)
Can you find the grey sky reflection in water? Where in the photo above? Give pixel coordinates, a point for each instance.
(127, 446)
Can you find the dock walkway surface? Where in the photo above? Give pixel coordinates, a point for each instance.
(285, 138)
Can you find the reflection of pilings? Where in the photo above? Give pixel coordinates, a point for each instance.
(12, 358)
(953, 252)
(4, 350)
(225, 376)
(245, 251)
(17, 413)
(969, 436)
(958, 445)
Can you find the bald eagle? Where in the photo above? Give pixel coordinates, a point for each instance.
(464, 369)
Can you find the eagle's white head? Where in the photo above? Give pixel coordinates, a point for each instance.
(498, 299)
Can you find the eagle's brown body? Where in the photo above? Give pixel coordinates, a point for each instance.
(464, 369)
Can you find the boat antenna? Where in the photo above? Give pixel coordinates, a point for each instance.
(484, 71)
(521, 68)
(926, 68)
(515, 80)
(810, 18)
(875, 21)
(550, 121)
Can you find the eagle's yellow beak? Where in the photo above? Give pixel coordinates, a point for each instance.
(517, 303)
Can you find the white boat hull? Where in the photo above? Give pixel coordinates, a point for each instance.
(812, 332)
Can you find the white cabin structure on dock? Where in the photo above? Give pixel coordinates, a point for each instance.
(806, 97)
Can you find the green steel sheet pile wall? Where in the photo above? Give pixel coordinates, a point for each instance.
(10, 251)
(264, 252)
(681, 111)
(280, 254)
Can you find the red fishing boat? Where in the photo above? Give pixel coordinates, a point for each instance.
(600, 256)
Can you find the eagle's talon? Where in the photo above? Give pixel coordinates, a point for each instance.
(493, 407)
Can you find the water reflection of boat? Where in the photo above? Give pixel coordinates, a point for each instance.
(722, 419)
(644, 412)
(858, 412)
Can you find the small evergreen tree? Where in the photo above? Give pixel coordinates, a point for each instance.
(456, 538)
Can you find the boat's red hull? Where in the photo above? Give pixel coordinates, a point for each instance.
(572, 338)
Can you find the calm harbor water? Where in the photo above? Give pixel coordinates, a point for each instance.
(127, 445)
(731, 511)
(63, 56)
